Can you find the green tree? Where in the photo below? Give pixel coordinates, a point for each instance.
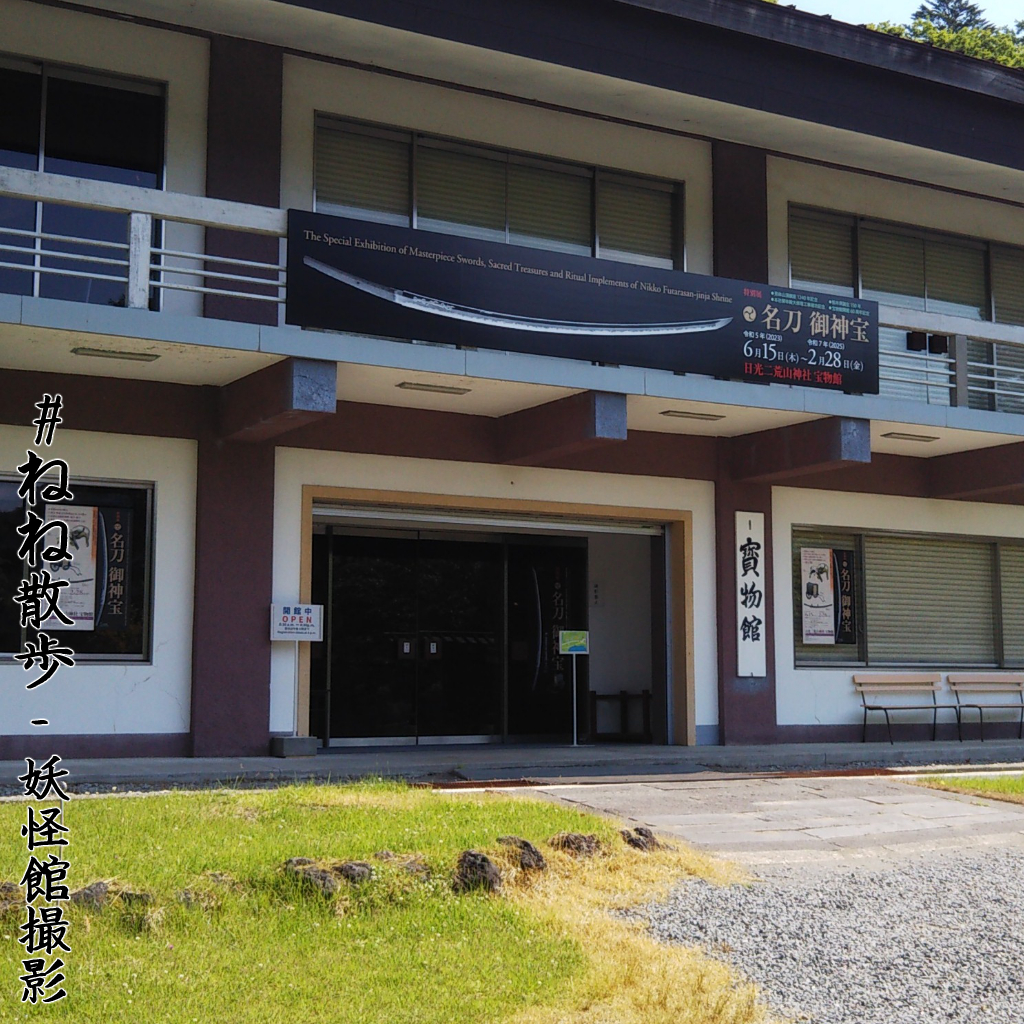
(940, 29)
(953, 15)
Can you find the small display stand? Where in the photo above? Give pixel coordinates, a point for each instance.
(574, 642)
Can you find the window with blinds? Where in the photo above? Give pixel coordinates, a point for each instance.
(896, 266)
(929, 601)
(1011, 579)
(821, 252)
(892, 268)
(946, 602)
(549, 209)
(365, 176)
(634, 224)
(1008, 284)
(407, 179)
(460, 194)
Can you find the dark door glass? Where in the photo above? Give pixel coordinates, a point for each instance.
(546, 594)
(460, 613)
(372, 675)
(21, 93)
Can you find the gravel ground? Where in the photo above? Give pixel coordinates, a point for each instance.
(935, 940)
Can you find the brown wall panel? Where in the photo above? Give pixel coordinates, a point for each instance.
(231, 628)
(243, 160)
(739, 211)
(110, 404)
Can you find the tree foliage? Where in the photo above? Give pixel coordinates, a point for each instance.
(952, 14)
(960, 26)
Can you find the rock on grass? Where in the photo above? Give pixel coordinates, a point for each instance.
(476, 871)
(530, 858)
(576, 844)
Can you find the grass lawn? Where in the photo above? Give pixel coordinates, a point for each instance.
(251, 945)
(997, 787)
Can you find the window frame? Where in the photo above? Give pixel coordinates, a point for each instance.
(595, 173)
(149, 554)
(858, 222)
(995, 546)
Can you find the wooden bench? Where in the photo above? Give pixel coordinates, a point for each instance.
(1000, 685)
(872, 685)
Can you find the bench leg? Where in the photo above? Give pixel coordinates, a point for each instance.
(935, 723)
(981, 723)
(888, 724)
(1020, 731)
(959, 726)
(864, 732)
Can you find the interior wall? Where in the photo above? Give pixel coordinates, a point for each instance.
(619, 581)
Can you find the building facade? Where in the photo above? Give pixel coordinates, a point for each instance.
(200, 206)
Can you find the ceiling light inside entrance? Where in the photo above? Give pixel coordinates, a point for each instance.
(113, 353)
(682, 414)
(896, 435)
(433, 389)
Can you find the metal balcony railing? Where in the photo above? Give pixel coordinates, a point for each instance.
(164, 250)
(171, 252)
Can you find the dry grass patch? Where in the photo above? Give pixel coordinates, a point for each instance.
(630, 978)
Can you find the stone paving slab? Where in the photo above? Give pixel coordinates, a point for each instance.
(824, 820)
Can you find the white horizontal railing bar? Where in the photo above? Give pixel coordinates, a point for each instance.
(53, 254)
(62, 238)
(941, 374)
(995, 367)
(186, 272)
(104, 195)
(205, 257)
(899, 318)
(220, 291)
(61, 272)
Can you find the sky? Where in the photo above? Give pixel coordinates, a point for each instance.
(861, 12)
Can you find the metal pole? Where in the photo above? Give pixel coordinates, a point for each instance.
(574, 717)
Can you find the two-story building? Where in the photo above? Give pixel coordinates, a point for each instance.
(695, 324)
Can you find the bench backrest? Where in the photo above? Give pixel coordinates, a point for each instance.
(870, 684)
(987, 682)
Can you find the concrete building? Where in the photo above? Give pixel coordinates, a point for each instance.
(492, 444)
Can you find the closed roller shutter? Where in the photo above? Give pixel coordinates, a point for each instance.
(549, 209)
(1012, 584)
(634, 224)
(1008, 284)
(362, 176)
(929, 601)
(956, 279)
(892, 268)
(821, 252)
(460, 194)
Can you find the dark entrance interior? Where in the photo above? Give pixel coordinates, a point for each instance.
(431, 637)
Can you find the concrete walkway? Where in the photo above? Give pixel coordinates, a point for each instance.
(810, 821)
(606, 762)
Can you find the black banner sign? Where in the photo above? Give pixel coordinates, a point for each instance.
(365, 278)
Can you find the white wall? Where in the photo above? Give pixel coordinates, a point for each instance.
(311, 87)
(124, 697)
(825, 696)
(297, 467)
(871, 196)
(37, 32)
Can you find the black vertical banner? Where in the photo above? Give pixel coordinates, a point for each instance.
(844, 595)
(114, 571)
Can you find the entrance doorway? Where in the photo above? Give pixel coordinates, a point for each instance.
(432, 637)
